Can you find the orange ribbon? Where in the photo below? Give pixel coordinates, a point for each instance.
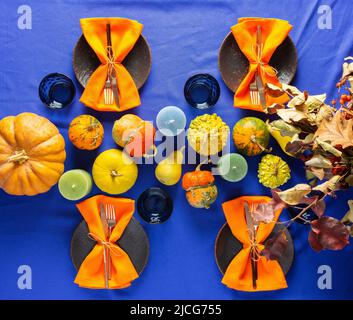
(91, 272)
(273, 33)
(124, 34)
(239, 274)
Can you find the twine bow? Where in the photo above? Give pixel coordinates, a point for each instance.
(111, 60)
(263, 66)
(254, 249)
(114, 249)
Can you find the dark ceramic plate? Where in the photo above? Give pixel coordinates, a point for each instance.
(234, 66)
(134, 242)
(227, 247)
(154, 205)
(137, 62)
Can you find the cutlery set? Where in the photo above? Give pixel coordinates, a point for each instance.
(257, 91)
(252, 228)
(110, 87)
(108, 219)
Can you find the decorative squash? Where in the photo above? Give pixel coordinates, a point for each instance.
(208, 134)
(200, 189)
(32, 154)
(86, 132)
(251, 136)
(114, 172)
(134, 134)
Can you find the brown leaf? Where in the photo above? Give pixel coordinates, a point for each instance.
(295, 195)
(328, 186)
(293, 91)
(263, 212)
(336, 131)
(275, 246)
(348, 217)
(317, 172)
(328, 233)
(274, 91)
(319, 208)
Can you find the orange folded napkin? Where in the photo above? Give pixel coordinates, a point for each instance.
(124, 34)
(273, 33)
(91, 272)
(239, 275)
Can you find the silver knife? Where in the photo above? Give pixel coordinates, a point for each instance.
(105, 228)
(250, 225)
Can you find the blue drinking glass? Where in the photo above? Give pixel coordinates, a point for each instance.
(56, 90)
(202, 91)
(154, 205)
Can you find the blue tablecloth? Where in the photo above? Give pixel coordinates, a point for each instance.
(184, 37)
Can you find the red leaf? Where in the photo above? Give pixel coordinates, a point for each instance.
(265, 212)
(275, 246)
(328, 233)
(319, 208)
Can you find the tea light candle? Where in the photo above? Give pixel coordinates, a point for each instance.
(232, 167)
(171, 121)
(75, 184)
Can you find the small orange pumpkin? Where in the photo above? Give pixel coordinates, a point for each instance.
(86, 132)
(200, 189)
(134, 134)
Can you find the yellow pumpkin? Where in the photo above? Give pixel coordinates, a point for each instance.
(32, 154)
(114, 172)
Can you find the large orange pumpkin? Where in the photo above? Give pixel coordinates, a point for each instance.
(86, 132)
(32, 154)
(135, 135)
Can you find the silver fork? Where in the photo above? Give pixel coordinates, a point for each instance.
(111, 220)
(254, 93)
(108, 92)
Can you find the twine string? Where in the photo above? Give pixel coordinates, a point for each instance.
(114, 249)
(264, 67)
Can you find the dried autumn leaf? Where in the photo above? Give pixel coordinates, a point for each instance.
(319, 161)
(325, 113)
(314, 103)
(275, 246)
(319, 208)
(285, 128)
(328, 186)
(273, 108)
(291, 90)
(263, 212)
(317, 172)
(348, 217)
(291, 115)
(336, 131)
(295, 195)
(298, 100)
(328, 233)
(328, 148)
(274, 91)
